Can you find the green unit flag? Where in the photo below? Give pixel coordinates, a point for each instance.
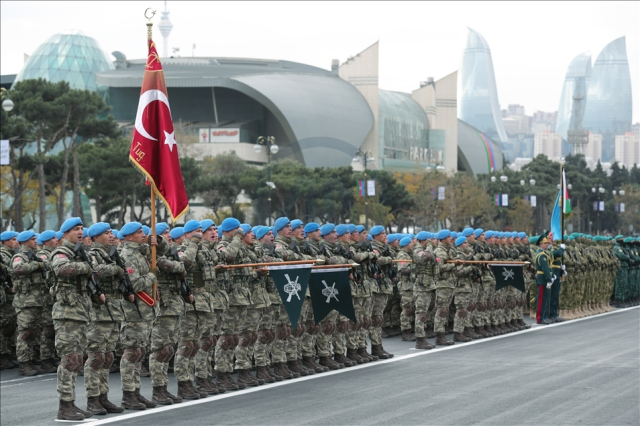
(508, 274)
(291, 282)
(330, 289)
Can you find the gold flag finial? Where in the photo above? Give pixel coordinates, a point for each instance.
(152, 13)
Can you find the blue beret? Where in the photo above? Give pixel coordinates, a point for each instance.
(130, 228)
(467, 232)
(85, 232)
(7, 235)
(488, 234)
(177, 232)
(70, 223)
(327, 228)
(191, 226)
(352, 228)
(25, 236)
(422, 235)
(478, 232)
(245, 228)
(161, 228)
(97, 229)
(506, 235)
(262, 231)
(522, 235)
(115, 233)
(229, 224)
(146, 229)
(342, 229)
(255, 229)
(391, 238)
(360, 228)
(280, 223)
(311, 226)
(38, 240)
(460, 240)
(497, 234)
(376, 230)
(46, 236)
(206, 224)
(59, 234)
(405, 241)
(444, 233)
(429, 235)
(412, 236)
(369, 237)
(514, 235)
(296, 223)
(454, 235)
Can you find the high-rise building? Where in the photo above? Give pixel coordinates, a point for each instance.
(608, 106)
(593, 148)
(478, 103)
(627, 150)
(549, 144)
(573, 93)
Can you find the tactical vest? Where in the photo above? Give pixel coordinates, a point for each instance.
(79, 281)
(109, 284)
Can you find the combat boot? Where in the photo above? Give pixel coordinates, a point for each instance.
(377, 350)
(341, 359)
(353, 356)
(273, 374)
(362, 353)
(26, 369)
(6, 363)
(310, 363)
(326, 361)
(175, 399)
(315, 361)
(282, 371)
(225, 380)
(85, 413)
(408, 336)
(186, 392)
(145, 401)
(469, 334)
(310, 371)
(244, 376)
(442, 341)
(263, 374)
(130, 402)
(67, 411)
(200, 392)
(204, 385)
(459, 337)
(159, 396)
(480, 332)
(214, 383)
(488, 331)
(421, 343)
(108, 405)
(144, 368)
(295, 368)
(94, 406)
(429, 333)
(524, 324)
(48, 366)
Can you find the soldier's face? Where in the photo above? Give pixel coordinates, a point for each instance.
(481, 238)
(315, 235)
(12, 243)
(52, 243)
(525, 240)
(286, 231)
(382, 237)
(167, 236)
(137, 237)
(355, 236)
(447, 240)
(208, 235)
(178, 240)
(74, 235)
(471, 238)
(106, 238)
(298, 232)
(87, 241)
(32, 243)
(331, 237)
(248, 238)
(344, 237)
(268, 238)
(544, 246)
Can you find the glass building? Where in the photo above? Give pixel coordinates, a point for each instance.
(608, 108)
(477, 92)
(72, 57)
(575, 84)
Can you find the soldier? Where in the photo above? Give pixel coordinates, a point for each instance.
(424, 288)
(405, 288)
(463, 290)
(544, 279)
(177, 236)
(384, 259)
(445, 284)
(71, 315)
(7, 311)
(136, 328)
(86, 240)
(29, 284)
(48, 242)
(164, 333)
(472, 318)
(104, 329)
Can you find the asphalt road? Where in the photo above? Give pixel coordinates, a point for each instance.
(584, 372)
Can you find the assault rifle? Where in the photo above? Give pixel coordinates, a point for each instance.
(125, 287)
(93, 285)
(5, 277)
(183, 285)
(32, 257)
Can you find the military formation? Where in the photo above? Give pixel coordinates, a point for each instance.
(94, 301)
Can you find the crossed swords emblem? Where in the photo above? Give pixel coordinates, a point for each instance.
(508, 274)
(330, 292)
(291, 288)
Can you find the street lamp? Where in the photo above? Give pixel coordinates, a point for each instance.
(503, 179)
(272, 148)
(367, 157)
(599, 191)
(7, 104)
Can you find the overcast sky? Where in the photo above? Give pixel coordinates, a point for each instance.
(532, 44)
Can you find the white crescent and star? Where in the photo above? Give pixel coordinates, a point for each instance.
(145, 99)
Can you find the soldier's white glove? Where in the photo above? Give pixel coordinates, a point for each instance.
(563, 267)
(564, 273)
(563, 246)
(549, 284)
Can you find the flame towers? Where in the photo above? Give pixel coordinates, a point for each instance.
(571, 109)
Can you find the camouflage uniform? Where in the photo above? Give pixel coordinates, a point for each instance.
(462, 293)
(338, 337)
(405, 288)
(383, 288)
(47, 338)
(424, 288)
(482, 252)
(8, 317)
(445, 285)
(71, 315)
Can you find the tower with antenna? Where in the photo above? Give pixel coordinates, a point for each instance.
(578, 137)
(165, 29)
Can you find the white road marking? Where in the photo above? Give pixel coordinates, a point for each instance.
(27, 378)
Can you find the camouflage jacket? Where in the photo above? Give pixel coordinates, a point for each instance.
(200, 264)
(425, 266)
(266, 254)
(231, 252)
(45, 254)
(285, 249)
(257, 280)
(404, 270)
(72, 274)
(29, 284)
(360, 286)
(445, 276)
(107, 271)
(171, 272)
(136, 259)
(5, 258)
(384, 258)
(463, 271)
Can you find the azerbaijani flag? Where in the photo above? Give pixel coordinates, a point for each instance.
(498, 200)
(566, 202)
(361, 187)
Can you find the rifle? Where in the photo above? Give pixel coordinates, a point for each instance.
(125, 287)
(93, 286)
(32, 257)
(5, 277)
(185, 289)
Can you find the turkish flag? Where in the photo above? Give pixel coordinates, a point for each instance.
(154, 150)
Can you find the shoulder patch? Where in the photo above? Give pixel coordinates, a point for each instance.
(438, 259)
(420, 253)
(181, 253)
(62, 256)
(17, 260)
(44, 257)
(129, 270)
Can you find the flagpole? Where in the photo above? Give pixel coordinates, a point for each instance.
(563, 189)
(153, 194)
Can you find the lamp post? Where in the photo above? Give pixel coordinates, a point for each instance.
(367, 157)
(272, 148)
(532, 182)
(7, 105)
(598, 191)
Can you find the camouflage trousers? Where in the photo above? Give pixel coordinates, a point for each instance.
(337, 338)
(278, 346)
(497, 313)
(188, 336)
(323, 341)
(47, 338)
(367, 309)
(379, 301)
(474, 319)
(350, 335)
(444, 296)
(486, 296)
(29, 320)
(134, 337)
(393, 311)
(210, 330)
(261, 348)
(164, 336)
(461, 300)
(7, 319)
(422, 300)
(307, 341)
(71, 342)
(249, 333)
(293, 345)
(408, 312)
(231, 321)
(102, 337)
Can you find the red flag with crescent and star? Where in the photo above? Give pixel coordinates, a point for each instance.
(154, 150)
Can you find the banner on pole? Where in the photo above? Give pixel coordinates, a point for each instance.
(441, 193)
(505, 200)
(330, 289)
(534, 201)
(371, 188)
(508, 275)
(291, 282)
(4, 152)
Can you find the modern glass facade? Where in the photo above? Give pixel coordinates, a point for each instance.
(478, 103)
(609, 106)
(71, 57)
(576, 83)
